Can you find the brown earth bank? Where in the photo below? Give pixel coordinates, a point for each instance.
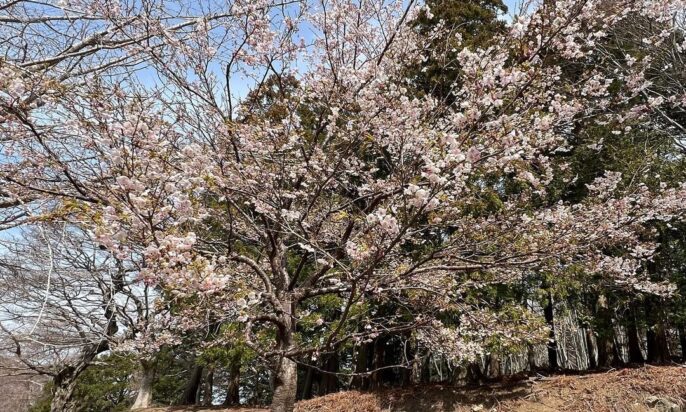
(647, 388)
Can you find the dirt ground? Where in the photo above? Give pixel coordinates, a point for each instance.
(643, 389)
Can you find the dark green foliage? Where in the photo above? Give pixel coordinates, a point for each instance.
(106, 386)
(170, 377)
(475, 21)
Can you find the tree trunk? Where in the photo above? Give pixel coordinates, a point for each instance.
(285, 386)
(65, 380)
(207, 388)
(377, 362)
(233, 390)
(190, 393)
(656, 336)
(603, 352)
(307, 387)
(656, 340)
(494, 371)
(531, 358)
(592, 350)
(360, 380)
(617, 360)
(474, 374)
(635, 354)
(425, 373)
(329, 381)
(62, 392)
(407, 362)
(144, 396)
(548, 312)
(608, 352)
(286, 370)
(682, 342)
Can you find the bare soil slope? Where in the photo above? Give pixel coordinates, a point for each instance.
(647, 388)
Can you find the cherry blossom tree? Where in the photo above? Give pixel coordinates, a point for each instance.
(251, 157)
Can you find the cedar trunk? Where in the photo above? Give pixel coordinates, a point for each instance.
(190, 393)
(233, 390)
(549, 313)
(635, 353)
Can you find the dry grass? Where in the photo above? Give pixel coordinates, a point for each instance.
(620, 390)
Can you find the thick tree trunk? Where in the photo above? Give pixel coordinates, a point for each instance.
(617, 359)
(604, 349)
(286, 370)
(608, 352)
(682, 342)
(65, 380)
(147, 376)
(605, 333)
(190, 393)
(62, 392)
(233, 390)
(285, 386)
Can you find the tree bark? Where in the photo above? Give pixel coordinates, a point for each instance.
(407, 362)
(207, 388)
(233, 390)
(425, 372)
(285, 386)
(190, 393)
(682, 342)
(360, 380)
(617, 359)
(329, 381)
(548, 312)
(286, 370)
(377, 362)
(147, 376)
(592, 350)
(65, 380)
(658, 351)
(608, 351)
(307, 386)
(656, 336)
(474, 374)
(62, 392)
(494, 371)
(635, 354)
